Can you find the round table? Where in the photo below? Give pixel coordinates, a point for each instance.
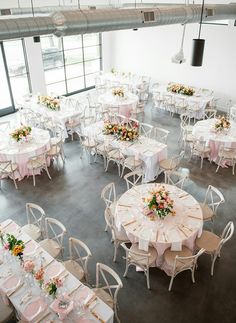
(20, 153)
(125, 104)
(173, 231)
(204, 130)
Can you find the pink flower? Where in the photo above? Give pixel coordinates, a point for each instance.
(6, 246)
(28, 266)
(58, 282)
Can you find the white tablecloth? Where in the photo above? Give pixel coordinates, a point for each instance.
(62, 116)
(201, 99)
(173, 231)
(20, 153)
(125, 104)
(204, 130)
(146, 149)
(70, 283)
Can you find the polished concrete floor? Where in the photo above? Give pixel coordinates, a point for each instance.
(73, 197)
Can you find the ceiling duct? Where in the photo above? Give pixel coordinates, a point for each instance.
(73, 22)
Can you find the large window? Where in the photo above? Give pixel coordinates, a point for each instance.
(14, 74)
(70, 63)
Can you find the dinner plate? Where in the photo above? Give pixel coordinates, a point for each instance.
(84, 294)
(54, 269)
(11, 283)
(30, 248)
(33, 309)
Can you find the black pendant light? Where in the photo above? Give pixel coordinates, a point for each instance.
(198, 45)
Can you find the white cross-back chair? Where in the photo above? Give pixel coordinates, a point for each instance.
(143, 259)
(133, 179)
(88, 144)
(180, 261)
(213, 199)
(193, 108)
(55, 152)
(102, 149)
(120, 119)
(108, 195)
(39, 163)
(8, 168)
(213, 243)
(172, 163)
(117, 157)
(175, 178)
(157, 99)
(232, 113)
(180, 105)
(209, 113)
(35, 221)
(117, 236)
(201, 149)
(185, 125)
(54, 232)
(160, 134)
(77, 264)
(73, 124)
(226, 154)
(106, 289)
(145, 129)
(138, 109)
(169, 103)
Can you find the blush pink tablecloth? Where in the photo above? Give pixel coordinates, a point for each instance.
(125, 104)
(204, 130)
(172, 232)
(20, 153)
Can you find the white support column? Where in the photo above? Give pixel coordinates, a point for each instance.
(35, 62)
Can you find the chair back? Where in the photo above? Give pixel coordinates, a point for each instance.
(145, 129)
(213, 198)
(180, 102)
(6, 167)
(226, 235)
(133, 178)
(108, 194)
(108, 280)
(185, 263)
(185, 120)
(210, 113)
(136, 258)
(35, 215)
(193, 105)
(175, 161)
(168, 99)
(55, 230)
(160, 134)
(175, 178)
(37, 161)
(80, 253)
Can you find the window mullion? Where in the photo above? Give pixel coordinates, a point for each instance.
(82, 38)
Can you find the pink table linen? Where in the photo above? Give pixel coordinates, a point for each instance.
(20, 153)
(125, 104)
(204, 130)
(171, 232)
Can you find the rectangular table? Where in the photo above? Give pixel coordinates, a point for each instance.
(97, 311)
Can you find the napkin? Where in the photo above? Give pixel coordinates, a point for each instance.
(144, 238)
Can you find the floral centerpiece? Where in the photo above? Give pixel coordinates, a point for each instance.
(158, 204)
(222, 123)
(15, 246)
(52, 286)
(28, 266)
(118, 92)
(21, 134)
(39, 276)
(109, 128)
(49, 101)
(127, 133)
(180, 89)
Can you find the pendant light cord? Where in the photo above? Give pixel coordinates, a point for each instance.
(200, 28)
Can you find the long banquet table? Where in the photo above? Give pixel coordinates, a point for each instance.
(146, 149)
(96, 311)
(174, 231)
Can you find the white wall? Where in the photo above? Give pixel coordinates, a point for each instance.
(148, 51)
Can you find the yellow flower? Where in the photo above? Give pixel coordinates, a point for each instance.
(17, 250)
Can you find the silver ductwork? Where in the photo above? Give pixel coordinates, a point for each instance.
(73, 22)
